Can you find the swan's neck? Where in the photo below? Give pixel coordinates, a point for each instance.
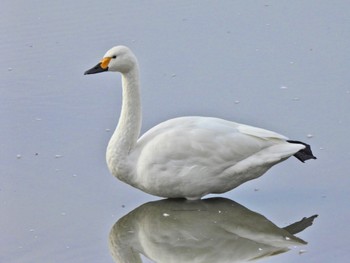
(127, 132)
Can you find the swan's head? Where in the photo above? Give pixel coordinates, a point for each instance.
(117, 59)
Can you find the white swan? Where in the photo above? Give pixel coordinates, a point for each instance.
(188, 156)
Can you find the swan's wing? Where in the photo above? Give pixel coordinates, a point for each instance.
(210, 141)
(207, 123)
(261, 133)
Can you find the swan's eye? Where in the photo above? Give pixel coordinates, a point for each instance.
(114, 57)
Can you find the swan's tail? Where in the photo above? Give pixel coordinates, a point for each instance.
(300, 225)
(304, 154)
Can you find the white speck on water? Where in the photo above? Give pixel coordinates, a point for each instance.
(260, 249)
(309, 136)
(302, 251)
(31, 230)
(283, 87)
(74, 175)
(38, 119)
(18, 156)
(108, 130)
(321, 148)
(63, 213)
(296, 99)
(237, 101)
(10, 69)
(165, 214)
(219, 211)
(58, 156)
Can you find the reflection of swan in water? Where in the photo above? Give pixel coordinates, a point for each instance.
(189, 156)
(210, 230)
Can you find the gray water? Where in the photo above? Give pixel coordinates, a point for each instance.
(279, 65)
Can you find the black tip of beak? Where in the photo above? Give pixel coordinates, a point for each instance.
(96, 69)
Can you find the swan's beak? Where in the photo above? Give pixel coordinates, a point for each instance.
(100, 67)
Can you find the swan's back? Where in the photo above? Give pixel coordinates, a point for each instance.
(206, 135)
(202, 125)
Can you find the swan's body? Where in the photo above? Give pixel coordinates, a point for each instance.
(188, 156)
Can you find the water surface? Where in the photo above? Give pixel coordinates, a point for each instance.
(276, 64)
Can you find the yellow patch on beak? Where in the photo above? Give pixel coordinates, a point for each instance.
(105, 62)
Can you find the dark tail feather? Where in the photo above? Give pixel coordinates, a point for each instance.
(300, 225)
(304, 154)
